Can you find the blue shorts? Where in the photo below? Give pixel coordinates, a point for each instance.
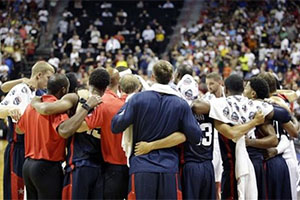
(83, 183)
(198, 181)
(260, 177)
(154, 186)
(13, 183)
(229, 185)
(278, 179)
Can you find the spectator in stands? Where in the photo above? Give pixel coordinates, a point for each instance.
(112, 44)
(106, 5)
(95, 35)
(106, 13)
(59, 44)
(4, 69)
(98, 23)
(63, 25)
(75, 42)
(54, 61)
(168, 4)
(148, 34)
(121, 13)
(43, 18)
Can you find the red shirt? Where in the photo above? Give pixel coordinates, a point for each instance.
(41, 138)
(110, 143)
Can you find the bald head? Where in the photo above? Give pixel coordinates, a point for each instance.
(129, 83)
(114, 76)
(58, 85)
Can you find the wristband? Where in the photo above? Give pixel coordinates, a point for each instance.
(87, 107)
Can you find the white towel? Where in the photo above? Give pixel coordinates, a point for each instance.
(244, 172)
(239, 110)
(188, 88)
(166, 89)
(126, 142)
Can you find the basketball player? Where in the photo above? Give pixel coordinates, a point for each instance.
(13, 106)
(155, 114)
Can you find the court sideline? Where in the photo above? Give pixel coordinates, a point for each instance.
(3, 144)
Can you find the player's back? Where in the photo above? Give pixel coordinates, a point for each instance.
(203, 151)
(156, 116)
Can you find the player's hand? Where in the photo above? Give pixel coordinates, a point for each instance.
(259, 118)
(142, 148)
(94, 100)
(270, 153)
(15, 113)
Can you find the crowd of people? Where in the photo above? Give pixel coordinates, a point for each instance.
(122, 136)
(21, 23)
(245, 38)
(126, 124)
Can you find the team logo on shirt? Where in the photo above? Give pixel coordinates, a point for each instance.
(226, 111)
(243, 119)
(238, 99)
(236, 107)
(13, 92)
(24, 90)
(17, 101)
(189, 94)
(251, 115)
(250, 103)
(244, 108)
(264, 104)
(229, 103)
(187, 81)
(258, 108)
(234, 117)
(5, 103)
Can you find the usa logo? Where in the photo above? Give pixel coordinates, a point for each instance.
(236, 107)
(234, 117)
(187, 81)
(24, 90)
(226, 111)
(243, 119)
(189, 94)
(250, 103)
(251, 115)
(17, 101)
(244, 108)
(229, 103)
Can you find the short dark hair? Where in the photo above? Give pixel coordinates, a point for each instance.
(183, 70)
(270, 79)
(56, 82)
(163, 71)
(100, 79)
(234, 83)
(260, 86)
(73, 82)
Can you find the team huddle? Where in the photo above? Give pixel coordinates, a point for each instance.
(120, 138)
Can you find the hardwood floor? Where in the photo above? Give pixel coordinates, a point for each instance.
(3, 144)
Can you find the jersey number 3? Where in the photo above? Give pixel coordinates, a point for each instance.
(207, 129)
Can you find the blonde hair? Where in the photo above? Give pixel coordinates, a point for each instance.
(163, 71)
(129, 83)
(41, 67)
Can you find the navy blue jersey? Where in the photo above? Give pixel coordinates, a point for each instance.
(84, 150)
(204, 151)
(280, 117)
(155, 116)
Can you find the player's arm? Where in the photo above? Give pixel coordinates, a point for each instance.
(237, 131)
(59, 106)
(269, 140)
(8, 85)
(124, 117)
(10, 110)
(172, 140)
(281, 147)
(200, 107)
(289, 94)
(283, 116)
(70, 126)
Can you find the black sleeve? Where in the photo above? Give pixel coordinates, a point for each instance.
(281, 115)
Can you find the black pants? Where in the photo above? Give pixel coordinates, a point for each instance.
(43, 179)
(116, 179)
